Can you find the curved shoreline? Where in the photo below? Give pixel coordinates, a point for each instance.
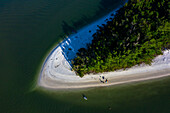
(159, 68)
(52, 51)
(56, 72)
(113, 81)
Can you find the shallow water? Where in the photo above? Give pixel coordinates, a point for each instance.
(28, 30)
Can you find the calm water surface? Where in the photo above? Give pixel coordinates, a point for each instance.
(28, 30)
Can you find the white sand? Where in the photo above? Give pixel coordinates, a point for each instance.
(56, 72)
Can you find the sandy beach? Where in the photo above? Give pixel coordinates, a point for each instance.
(55, 80)
(56, 72)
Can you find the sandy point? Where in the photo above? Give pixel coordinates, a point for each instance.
(56, 72)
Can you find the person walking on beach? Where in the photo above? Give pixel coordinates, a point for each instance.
(106, 81)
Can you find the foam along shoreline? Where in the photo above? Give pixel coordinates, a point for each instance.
(56, 72)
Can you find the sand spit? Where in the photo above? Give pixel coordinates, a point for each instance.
(57, 73)
(63, 78)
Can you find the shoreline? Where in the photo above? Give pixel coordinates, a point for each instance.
(95, 85)
(160, 68)
(72, 35)
(56, 71)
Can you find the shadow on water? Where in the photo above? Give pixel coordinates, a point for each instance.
(70, 28)
(105, 7)
(28, 29)
(67, 28)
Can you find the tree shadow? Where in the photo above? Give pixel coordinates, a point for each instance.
(67, 28)
(65, 52)
(70, 28)
(105, 6)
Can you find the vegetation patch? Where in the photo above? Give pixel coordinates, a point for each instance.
(137, 34)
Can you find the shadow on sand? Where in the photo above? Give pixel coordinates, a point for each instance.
(69, 47)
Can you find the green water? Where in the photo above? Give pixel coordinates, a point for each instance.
(29, 29)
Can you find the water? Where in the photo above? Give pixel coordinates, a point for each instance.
(28, 30)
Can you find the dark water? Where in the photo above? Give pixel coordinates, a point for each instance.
(28, 30)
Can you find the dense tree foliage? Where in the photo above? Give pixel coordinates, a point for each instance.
(138, 33)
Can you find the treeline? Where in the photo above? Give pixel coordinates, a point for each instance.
(137, 34)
